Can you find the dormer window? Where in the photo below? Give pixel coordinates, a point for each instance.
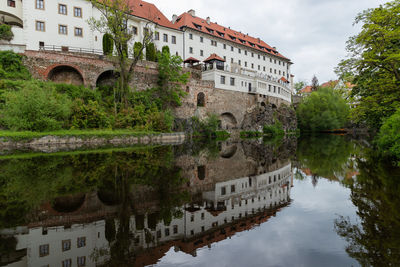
(242, 41)
(210, 30)
(197, 26)
(232, 37)
(253, 45)
(221, 34)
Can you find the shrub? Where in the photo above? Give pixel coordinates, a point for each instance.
(151, 53)
(323, 110)
(75, 92)
(35, 108)
(388, 139)
(165, 49)
(11, 66)
(89, 116)
(108, 44)
(6, 32)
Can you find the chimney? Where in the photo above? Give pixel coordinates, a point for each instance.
(258, 40)
(174, 18)
(208, 20)
(274, 48)
(192, 12)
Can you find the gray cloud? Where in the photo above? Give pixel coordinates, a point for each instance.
(312, 33)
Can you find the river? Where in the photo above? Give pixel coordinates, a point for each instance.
(316, 201)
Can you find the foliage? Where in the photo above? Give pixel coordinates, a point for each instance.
(6, 32)
(35, 108)
(89, 116)
(205, 128)
(11, 66)
(165, 49)
(170, 80)
(388, 139)
(299, 85)
(314, 84)
(151, 53)
(374, 64)
(274, 130)
(322, 110)
(108, 44)
(138, 50)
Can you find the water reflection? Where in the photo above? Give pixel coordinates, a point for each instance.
(129, 208)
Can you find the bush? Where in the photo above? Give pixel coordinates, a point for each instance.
(274, 130)
(89, 116)
(323, 110)
(165, 49)
(388, 139)
(108, 44)
(6, 32)
(151, 53)
(35, 108)
(11, 66)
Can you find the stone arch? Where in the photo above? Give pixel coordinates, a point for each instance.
(107, 78)
(228, 121)
(229, 152)
(274, 106)
(108, 197)
(68, 204)
(201, 99)
(66, 74)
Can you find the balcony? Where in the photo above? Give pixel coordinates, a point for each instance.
(11, 13)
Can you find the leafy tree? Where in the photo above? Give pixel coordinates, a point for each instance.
(299, 85)
(374, 64)
(6, 32)
(151, 53)
(322, 110)
(389, 136)
(108, 44)
(12, 67)
(115, 15)
(165, 49)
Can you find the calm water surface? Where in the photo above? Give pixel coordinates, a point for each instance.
(322, 201)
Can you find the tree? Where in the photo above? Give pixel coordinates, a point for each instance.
(324, 109)
(389, 136)
(374, 64)
(314, 84)
(115, 15)
(151, 52)
(6, 32)
(299, 85)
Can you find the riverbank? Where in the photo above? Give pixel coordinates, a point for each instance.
(73, 139)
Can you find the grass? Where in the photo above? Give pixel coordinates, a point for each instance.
(27, 135)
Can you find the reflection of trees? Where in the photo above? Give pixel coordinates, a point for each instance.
(375, 241)
(325, 156)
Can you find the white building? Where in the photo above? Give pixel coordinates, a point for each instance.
(236, 61)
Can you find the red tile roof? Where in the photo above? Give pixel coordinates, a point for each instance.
(150, 12)
(191, 60)
(283, 79)
(330, 84)
(214, 57)
(307, 89)
(216, 30)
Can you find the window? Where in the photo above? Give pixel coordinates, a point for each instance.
(225, 58)
(233, 81)
(264, 69)
(202, 216)
(157, 36)
(62, 9)
(274, 61)
(232, 60)
(269, 90)
(245, 53)
(191, 50)
(190, 36)
(259, 67)
(270, 70)
(213, 43)
(224, 46)
(66, 245)
(240, 62)
(279, 62)
(223, 191)
(284, 73)
(201, 102)
(232, 48)
(44, 250)
(233, 189)
(67, 263)
(201, 39)
(78, 32)
(78, 12)
(63, 29)
(165, 38)
(166, 231)
(81, 261)
(252, 54)
(192, 218)
(11, 3)
(173, 39)
(175, 229)
(40, 26)
(239, 50)
(201, 53)
(39, 4)
(245, 63)
(134, 30)
(264, 58)
(81, 242)
(275, 71)
(259, 57)
(41, 44)
(279, 72)
(223, 79)
(252, 65)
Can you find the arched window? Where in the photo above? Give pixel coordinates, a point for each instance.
(201, 102)
(201, 172)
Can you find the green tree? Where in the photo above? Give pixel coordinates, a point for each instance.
(108, 44)
(12, 67)
(299, 85)
(324, 109)
(151, 53)
(389, 136)
(374, 64)
(6, 32)
(115, 15)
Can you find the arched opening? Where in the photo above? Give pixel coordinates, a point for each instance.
(229, 152)
(274, 106)
(68, 204)
(107, 78)
(66, 74)
(228, 121)
(201, 100)
(263, 104)
(109, 197)
(201, 172)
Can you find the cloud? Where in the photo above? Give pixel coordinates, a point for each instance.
(312, 33)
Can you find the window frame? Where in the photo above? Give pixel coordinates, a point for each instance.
(173, 39)
(44, 25)
(76, 8)
(37, 6)
(66, 9)
(76, 28)
(59, 27)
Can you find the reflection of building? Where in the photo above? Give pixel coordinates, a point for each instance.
(225, 208)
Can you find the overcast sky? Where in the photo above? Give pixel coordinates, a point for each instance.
(312, 33)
